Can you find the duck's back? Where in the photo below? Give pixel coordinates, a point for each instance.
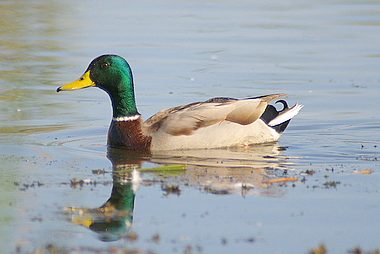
(218, 122)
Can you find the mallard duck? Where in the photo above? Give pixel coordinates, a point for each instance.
(217, 122)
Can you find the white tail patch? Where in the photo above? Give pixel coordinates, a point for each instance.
(289, 114)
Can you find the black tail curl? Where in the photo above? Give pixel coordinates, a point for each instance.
(271, 112)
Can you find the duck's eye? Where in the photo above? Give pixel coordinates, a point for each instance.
(105, 65)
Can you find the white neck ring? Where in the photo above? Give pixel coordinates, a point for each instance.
(126, 118)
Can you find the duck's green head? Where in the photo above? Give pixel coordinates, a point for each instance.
(112, 74)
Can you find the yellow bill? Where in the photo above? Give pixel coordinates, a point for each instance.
(82, 82)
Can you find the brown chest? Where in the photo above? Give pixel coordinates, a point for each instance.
(128, 135)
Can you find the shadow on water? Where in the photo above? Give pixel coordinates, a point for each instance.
(242, 170)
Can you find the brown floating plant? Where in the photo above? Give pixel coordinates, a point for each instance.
(281, 180)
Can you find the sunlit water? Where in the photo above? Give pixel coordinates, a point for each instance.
(324, 55)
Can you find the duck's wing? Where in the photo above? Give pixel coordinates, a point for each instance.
(183, 120)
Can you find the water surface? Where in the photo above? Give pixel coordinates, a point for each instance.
(56, 170)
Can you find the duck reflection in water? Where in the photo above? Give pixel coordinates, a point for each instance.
(113, 219)
(241, 170)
